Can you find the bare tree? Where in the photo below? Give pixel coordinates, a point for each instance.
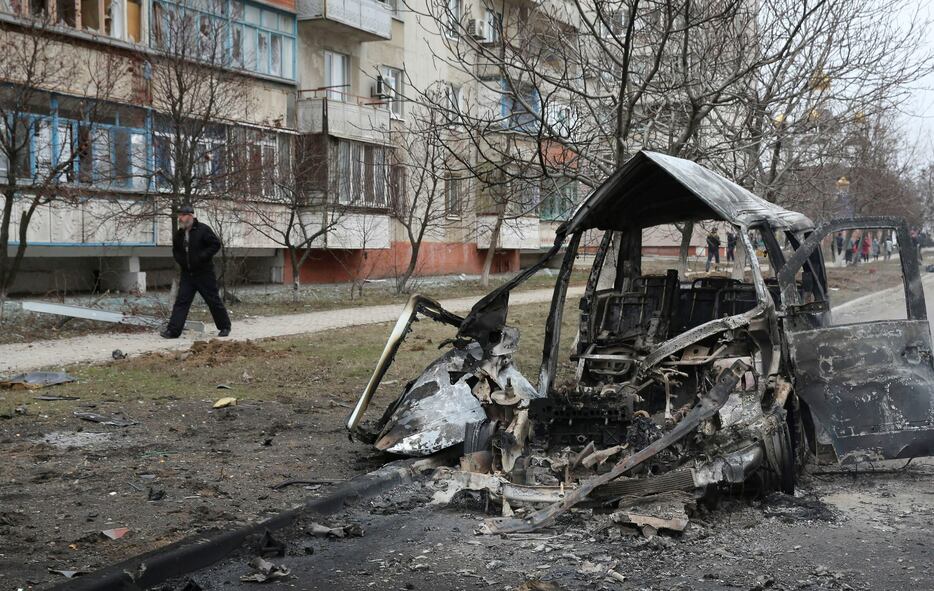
(423, 185)
(735, 84)
(43, 158)
(297, 214)
(196, 91)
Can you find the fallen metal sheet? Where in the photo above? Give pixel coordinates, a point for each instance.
(103, 315)
(104, 420)
(657, 512)
(38, 379)
(455, 481)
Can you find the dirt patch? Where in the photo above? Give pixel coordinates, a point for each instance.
(218, 352)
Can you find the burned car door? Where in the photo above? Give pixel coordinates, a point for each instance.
(870, 385)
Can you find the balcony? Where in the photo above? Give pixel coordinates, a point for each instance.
(361, 20)
(343, 115)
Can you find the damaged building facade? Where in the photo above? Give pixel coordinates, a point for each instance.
(316, 79)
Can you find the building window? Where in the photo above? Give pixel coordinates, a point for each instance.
(392, 90)
(560, 200)
(337, 75)
(455, 11)
(453, 198)
(360, 174)
(494, 25)
(520, 108)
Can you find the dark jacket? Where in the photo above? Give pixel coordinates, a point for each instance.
(713, 241)
(203, 244)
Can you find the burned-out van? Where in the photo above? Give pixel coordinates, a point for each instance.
(678, 383)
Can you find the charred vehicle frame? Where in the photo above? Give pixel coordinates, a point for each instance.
(683, 385)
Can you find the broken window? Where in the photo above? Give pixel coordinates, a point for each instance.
(864, 275)
(66, 12)
(38, 8)
(92, 15)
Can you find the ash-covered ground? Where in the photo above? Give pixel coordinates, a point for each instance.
(865, 530)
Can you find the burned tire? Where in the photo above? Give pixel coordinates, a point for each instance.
(780, 457)
(787, 471)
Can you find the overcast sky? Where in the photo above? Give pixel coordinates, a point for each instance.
(918, 116)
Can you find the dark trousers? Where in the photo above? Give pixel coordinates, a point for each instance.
(206, 285)
(712, 253)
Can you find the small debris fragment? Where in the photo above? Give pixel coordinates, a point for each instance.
(155, 495)
(68, 574)
(269, 546)
(539, 585)
(265, 572)
(96, 418)
(116, 533)
(224, 387)
(226, 401)
(351, 530)
(118, 354)
(50, 398)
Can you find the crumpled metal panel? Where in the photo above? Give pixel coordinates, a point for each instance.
(870, 385)
(433, 412)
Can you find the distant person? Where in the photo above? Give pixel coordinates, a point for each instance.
(848, 251)
(866, 248)
(730, 247)
(888, 248)
(875, 248)
(713, 249)
(194, 245)
(840, 240)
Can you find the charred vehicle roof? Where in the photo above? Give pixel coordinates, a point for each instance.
(679, 385)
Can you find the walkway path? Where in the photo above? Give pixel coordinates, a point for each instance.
(97, 348)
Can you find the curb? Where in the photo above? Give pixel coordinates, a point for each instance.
(202, 550)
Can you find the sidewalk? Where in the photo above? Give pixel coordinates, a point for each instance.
(98, 348)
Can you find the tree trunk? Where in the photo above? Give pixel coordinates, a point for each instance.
(491, 252)
(686, 233)
(403, 281)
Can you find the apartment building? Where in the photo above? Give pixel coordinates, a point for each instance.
(326, 78)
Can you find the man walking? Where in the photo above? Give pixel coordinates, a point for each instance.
(713, 249)
(730, 246)
(194, 245)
